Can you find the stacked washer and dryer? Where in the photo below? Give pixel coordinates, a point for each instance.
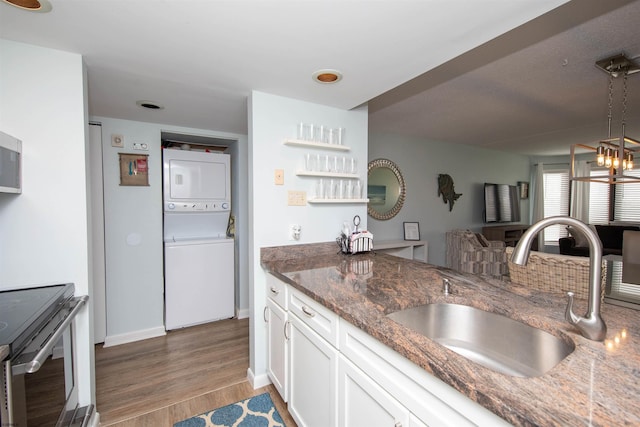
(198, 255)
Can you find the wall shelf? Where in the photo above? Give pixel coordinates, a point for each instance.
(328, 174)
(410, 249)
(328, 201)
(313, 144)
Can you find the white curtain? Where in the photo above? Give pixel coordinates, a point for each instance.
(538, 201)
(579, 207)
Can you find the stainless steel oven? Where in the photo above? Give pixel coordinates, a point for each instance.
(38, 375)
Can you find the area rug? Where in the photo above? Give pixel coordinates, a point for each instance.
(258, 411)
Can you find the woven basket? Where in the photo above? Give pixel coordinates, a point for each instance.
(555, 273)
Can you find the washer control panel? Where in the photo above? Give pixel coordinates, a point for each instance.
(211, 206)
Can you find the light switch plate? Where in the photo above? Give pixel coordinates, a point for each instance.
(279, 177)
(297, 198)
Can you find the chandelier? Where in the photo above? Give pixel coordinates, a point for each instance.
(615, 154)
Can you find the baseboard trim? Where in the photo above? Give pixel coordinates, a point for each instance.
(242, 313)
(259, 381)
(144, 334)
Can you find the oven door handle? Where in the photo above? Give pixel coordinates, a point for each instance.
(35, 364)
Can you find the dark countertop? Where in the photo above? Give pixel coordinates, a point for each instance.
(598, 384)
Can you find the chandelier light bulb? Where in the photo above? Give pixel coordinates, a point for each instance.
(629, 161)
(616, 160)
(600, 155)
(607, 157)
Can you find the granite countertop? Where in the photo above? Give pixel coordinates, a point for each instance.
(598, 384)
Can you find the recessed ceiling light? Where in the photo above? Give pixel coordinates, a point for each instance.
(150, 105)
(327, 76)
(41, 6)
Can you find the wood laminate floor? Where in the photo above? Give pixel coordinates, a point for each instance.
(160, 381)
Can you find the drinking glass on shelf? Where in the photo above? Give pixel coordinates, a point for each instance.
(320, 163)
(308, 132)
(353, 165)
(341, 193)
(348, 189)
(320, 189)
(309, 162)
(319, 132)
(357, 190)
(331, 189)
(335, 164)
(339, 136)
(328, 164)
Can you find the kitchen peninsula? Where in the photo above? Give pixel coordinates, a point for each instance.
(597, 384)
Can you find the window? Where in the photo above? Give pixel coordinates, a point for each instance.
(556, 202)
(598, 199)
(625, 200)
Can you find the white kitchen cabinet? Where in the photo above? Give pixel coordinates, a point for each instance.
(332, 373)
(313, 369)
(430, 400)
(277, 348)
(276, 317)
(415, 421)
(364, 403)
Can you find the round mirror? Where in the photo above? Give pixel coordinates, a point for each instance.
(385, 189)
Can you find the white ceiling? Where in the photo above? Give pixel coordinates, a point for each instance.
(432, 69)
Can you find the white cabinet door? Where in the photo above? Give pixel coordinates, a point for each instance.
(277, 347)
(415, 421)
(364, 403)
(313, 370)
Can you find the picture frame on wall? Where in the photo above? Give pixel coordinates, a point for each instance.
(411, 230)
(523, 187)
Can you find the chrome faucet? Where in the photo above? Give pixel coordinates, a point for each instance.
(591, 326)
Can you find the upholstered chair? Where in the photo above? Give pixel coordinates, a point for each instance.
(469, 252)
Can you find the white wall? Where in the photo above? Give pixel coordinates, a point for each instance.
(44, 230)
(133, 230)
(272, 119)
(420, 162)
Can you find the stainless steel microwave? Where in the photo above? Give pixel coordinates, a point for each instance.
(10, 164)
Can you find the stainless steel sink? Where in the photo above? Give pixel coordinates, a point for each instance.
(494, 341)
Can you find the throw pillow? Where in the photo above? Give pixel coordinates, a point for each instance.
(580, 238)
(483, 240)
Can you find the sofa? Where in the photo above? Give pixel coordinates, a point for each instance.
(555, 273)
(610, 236)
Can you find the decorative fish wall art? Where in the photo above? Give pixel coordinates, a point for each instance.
(445, 188)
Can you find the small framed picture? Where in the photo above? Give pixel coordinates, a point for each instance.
(411, 231)
(524, 189)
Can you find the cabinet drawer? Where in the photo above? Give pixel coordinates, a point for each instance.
(319, 318)
(277, 291)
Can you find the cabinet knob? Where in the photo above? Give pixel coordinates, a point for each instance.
(274, 290)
